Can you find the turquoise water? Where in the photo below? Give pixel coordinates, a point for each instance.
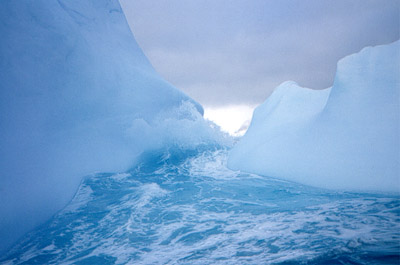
(179, 207)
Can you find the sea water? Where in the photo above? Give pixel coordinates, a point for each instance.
(187, 207)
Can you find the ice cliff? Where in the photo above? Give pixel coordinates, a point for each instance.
(77, 95)
(345, 137)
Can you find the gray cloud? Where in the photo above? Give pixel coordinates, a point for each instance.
(224, 52)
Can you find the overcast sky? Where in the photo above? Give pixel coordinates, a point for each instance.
(227, 52)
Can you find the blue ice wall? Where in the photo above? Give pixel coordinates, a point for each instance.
(77, 95)
(346, 137)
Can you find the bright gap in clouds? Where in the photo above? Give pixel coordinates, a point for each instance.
(233, 119)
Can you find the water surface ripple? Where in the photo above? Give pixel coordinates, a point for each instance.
(180, 207)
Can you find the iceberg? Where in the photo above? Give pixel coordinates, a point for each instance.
(345, 137)
(77, 96)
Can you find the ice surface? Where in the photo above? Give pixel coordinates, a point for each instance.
(77, 95)
(345, 137)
